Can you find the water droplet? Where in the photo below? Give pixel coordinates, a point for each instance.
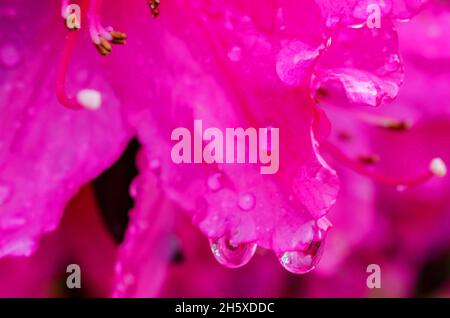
(155, 166)
(331, 21)
(134, 188)
(294, 62)
(305, 259)
(128, 279)
(247, 202)
(230, 255)
(401, 188)
(357, 25)
(302, 262)
(235, 54)
(5, 194)
(393, 63)
(9, 55)
(215, 182)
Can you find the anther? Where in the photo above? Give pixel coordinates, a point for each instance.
(118, 37)
(103, 46)
(396, 125)
(392, 124)
(344, 136)
(437, 168)
(369, 159)
(154, 7)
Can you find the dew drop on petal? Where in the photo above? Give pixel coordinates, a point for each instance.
(401, 188)
(357, 25)
(235, 54)
(155, 166)
(230, 255)
(331, 21)
(214, 182)
(134, 188)
(247, 202)
(393, 63)
(9, 55)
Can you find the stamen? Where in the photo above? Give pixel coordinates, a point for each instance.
(396, 125)
(89, 99)
(61, 94)
(385, 122)
(154, 7)
(64, 5)
(437, 168)
(103, 38)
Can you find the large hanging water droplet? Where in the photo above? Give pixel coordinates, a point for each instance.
(302, 262)
(247, 202)
(230, 255)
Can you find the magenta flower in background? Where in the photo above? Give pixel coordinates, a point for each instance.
(310, 68)
(80, 239)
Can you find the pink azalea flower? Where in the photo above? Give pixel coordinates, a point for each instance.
(229, 63)
(400, 228)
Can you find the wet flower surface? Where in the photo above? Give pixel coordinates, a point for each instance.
(343, 95)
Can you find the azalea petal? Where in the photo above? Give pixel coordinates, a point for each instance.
(353, 217)
(47, 151)
(364, 62)
(145, 254)
(355, 12)
(199, 80)
(421, 215)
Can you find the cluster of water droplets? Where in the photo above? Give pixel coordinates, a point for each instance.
(235, 255)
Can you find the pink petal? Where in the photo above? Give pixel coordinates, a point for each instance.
(146, 252)
(198, 80)
(354, 12)
(47, 152)
(364, 62)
